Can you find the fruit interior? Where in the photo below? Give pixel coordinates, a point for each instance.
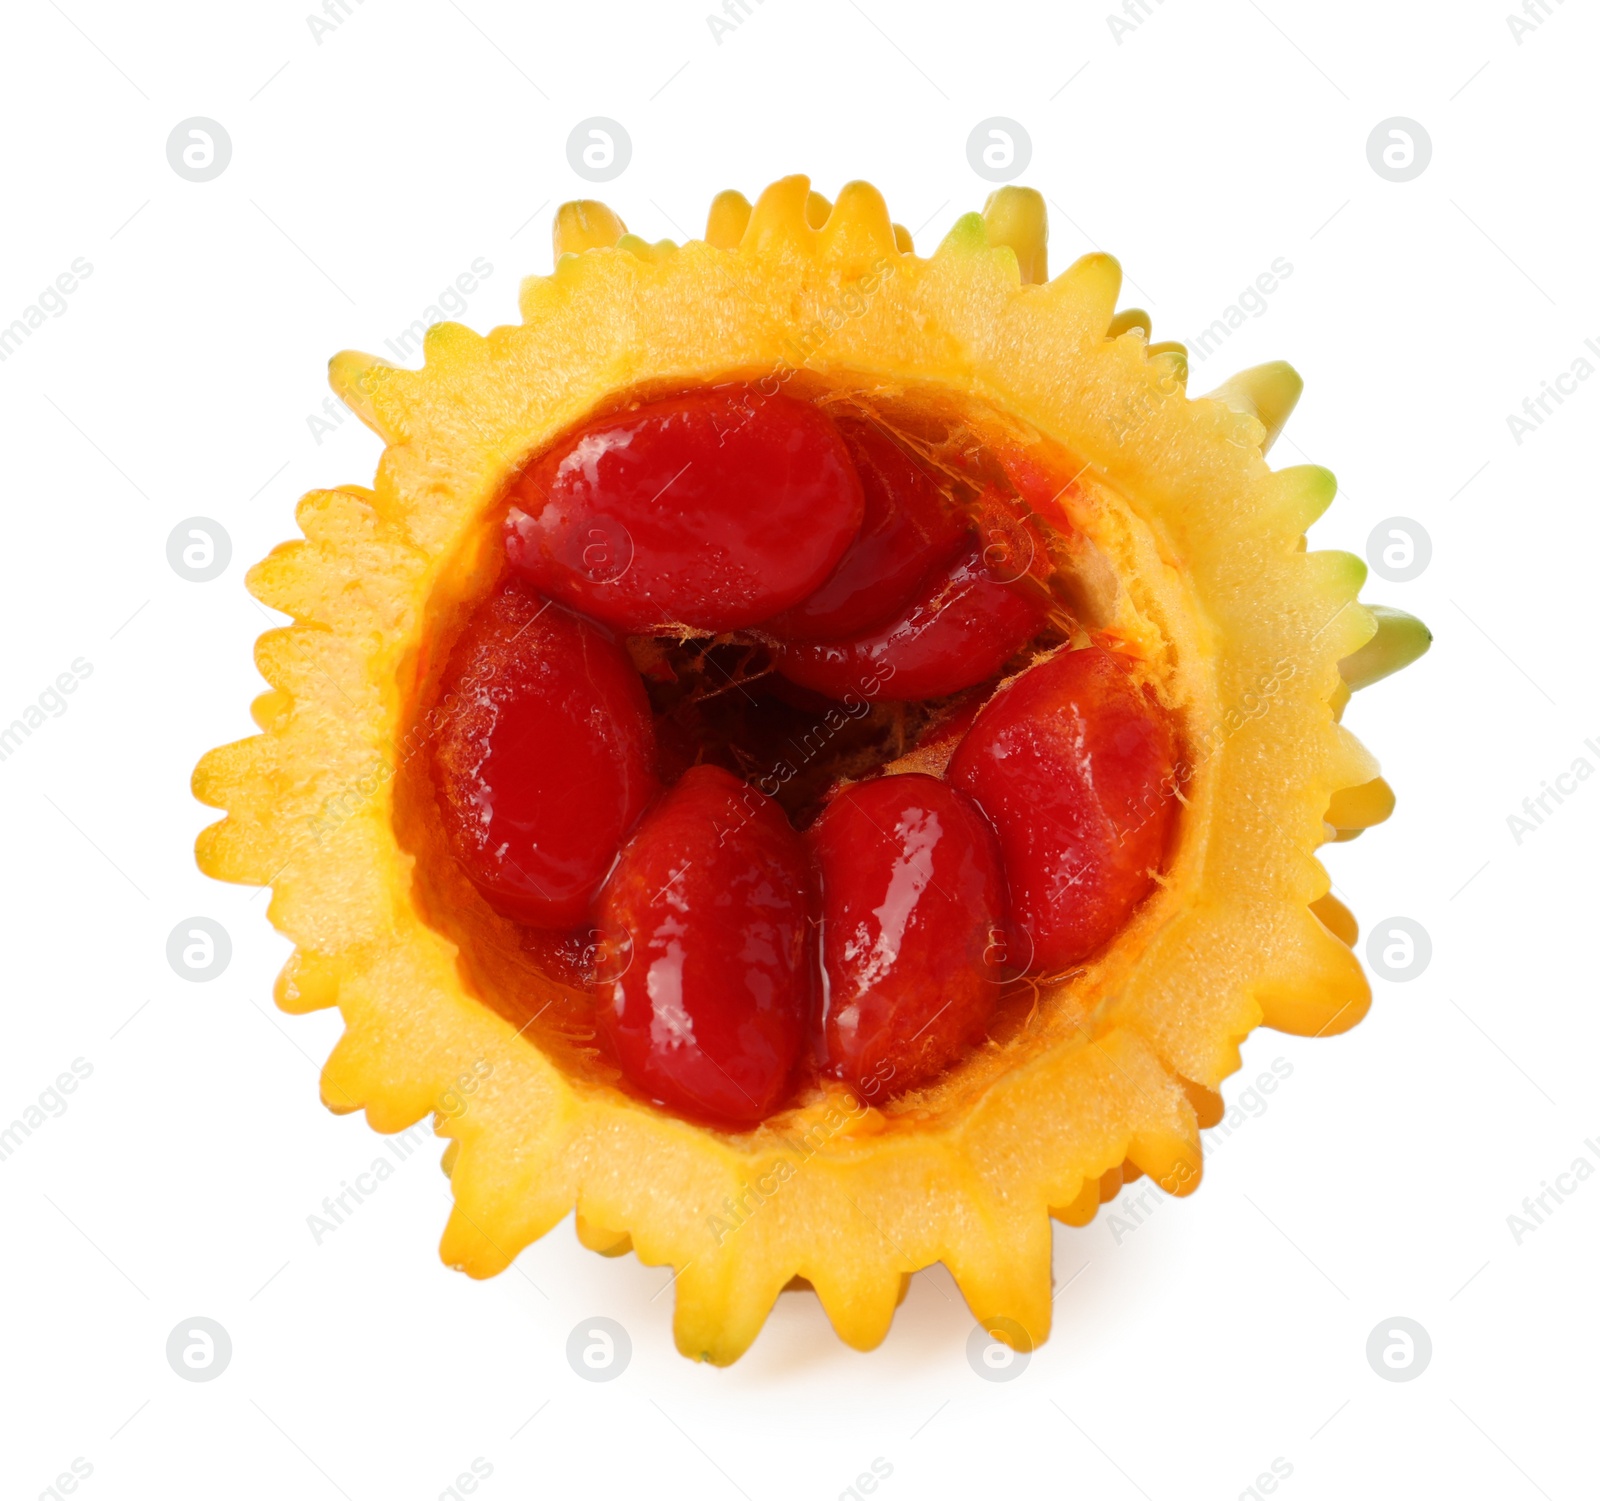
(717, 699)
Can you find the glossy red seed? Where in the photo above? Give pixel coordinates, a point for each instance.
(963, 627)
(1072, 765)
(907, 531)
(715, 509)
(709, 900)
(912, 901)
(545, 755)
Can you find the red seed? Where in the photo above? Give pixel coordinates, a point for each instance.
(907, 531)
(1072, 765)
(964, 627)
(710, 900)
(714, 510)
(912, 902)
(545, 758)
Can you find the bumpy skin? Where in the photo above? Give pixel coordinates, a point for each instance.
(1191, 527)
(912, 901)
(545, 756)
(708, 907)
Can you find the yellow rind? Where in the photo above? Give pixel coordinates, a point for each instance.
(1016, 218)
(1397, 641)
(1267, 392)
(1337, 918)
(726, 221)
(1362, 806)
(1231, 941)
(584, 225)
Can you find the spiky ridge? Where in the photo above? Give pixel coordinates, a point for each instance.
(1208, 543)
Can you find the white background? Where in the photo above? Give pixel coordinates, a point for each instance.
(368, 170)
